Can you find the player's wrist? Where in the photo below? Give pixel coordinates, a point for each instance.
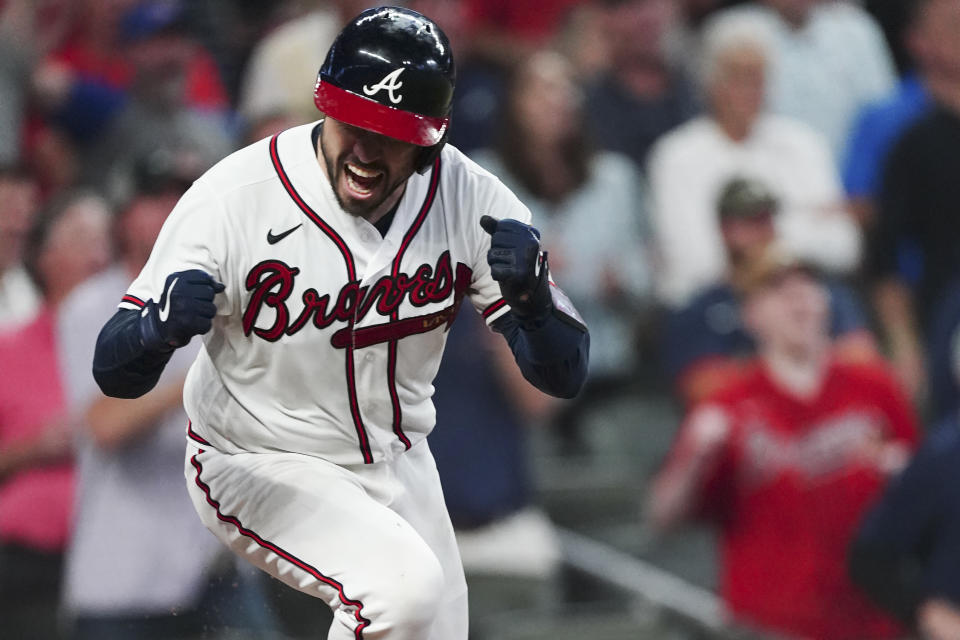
(534, 304)
(151, 336)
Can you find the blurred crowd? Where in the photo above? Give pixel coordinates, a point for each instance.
(751, 203)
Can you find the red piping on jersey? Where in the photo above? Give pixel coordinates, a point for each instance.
(193, 435)
(134, 300)
(289, 557)
(493, 308)
(352, 277)
(395, 314)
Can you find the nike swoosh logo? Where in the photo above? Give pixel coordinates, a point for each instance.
(274, 239)
(165, 309)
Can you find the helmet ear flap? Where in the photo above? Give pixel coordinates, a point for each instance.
(429, 154)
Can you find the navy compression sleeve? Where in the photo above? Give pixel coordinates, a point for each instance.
(121, 365)
(552, 356)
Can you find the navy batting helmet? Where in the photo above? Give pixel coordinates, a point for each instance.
(390, 71)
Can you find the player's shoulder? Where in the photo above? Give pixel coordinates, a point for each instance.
(462, 172)
(253, 165)
(473, 190)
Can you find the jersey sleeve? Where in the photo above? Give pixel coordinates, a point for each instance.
(498, 201)
(194, 236)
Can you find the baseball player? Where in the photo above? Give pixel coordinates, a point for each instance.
(323, 267)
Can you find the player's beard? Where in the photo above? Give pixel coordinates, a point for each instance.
(353, 206)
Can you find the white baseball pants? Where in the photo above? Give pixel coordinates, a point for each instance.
(373, 541)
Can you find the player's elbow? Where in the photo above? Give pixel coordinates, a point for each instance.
(563, 380)
(121, 368)
(570, 388)
(117, 384)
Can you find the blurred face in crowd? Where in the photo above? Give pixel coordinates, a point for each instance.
(789, 313)
(366, 170)
(100, 18)
(76, 247)
(637, 31)
(139, 225)
(546, 101)
(793, 11)
(934, 39)
(19, 199)
(746, 237)
(161, 61)
(737, 85)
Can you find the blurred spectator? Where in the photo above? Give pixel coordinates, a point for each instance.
(644, 93)
(907, 553)
(881, 123)
(68, 243)
(16, 21)
(81, 85)
(130, 464)
(84, 85)
(785, 461)
(28, 30)
(893, 18)
(19, 297)
(282, 68)
(591, 206)
(705, 343)
(157, 112)
(830, 59)
(481, 81)
(913, 251)
(582, 40)
(483, 410)
(504, 31)
(943, 347)
(269, 124)
(690, 165)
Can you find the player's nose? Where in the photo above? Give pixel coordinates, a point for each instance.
(367, 148)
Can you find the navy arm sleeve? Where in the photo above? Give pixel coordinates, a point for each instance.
(121, 365)
(552, 355)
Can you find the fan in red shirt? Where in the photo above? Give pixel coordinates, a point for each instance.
(785, 461)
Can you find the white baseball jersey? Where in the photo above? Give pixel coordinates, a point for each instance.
(328, 336)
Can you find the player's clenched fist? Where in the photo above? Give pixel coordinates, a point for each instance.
(519, 266)
(186, 309)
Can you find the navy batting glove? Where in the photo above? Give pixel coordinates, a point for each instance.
(519, 266)
(186, 309)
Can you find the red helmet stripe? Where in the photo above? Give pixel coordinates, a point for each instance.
(358, 111)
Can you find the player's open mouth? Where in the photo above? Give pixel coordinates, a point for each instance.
(360, 182)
